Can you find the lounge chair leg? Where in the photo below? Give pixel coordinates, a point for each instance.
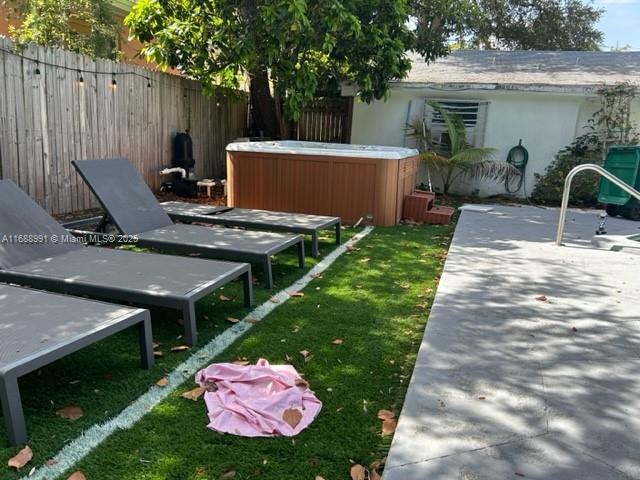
(189, 319)
(314, 244)
(247, 285)
(145, 336)
(301, 254)
(268, 275)
(338, 230)
(12, 410)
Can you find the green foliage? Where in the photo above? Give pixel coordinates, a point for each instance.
(305, 46)
(610, 125)
(457, 158)
(584, 189)
(510, 24)
(83, 26)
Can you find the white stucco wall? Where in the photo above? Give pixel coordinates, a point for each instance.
(545, 122)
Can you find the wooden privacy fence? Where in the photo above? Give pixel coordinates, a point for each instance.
(326, 120)
(65, 106)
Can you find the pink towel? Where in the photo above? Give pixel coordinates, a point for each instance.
(254, 400)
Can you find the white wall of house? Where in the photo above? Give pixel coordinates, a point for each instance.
(546, 122)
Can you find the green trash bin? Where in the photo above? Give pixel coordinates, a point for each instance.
(624, 163)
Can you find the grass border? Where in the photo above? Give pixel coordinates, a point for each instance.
(80, 447)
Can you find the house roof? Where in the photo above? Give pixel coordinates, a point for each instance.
(526, 69)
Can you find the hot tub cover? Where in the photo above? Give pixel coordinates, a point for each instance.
(296, 147)
(252, 400)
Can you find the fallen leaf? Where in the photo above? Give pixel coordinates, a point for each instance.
(232, 320)
(51, 461)
(305, 353)
(288, 358)
(70, 412)
(358, 472)
(23, 457)
(158, 354)
(163, 382)
(224, 298)
(228, 474)
(292, 416)
(78, 475)
(156, 345)
(364, 260)
(541, 298)
(301, 382)
(251, 320)
(482, 398)
(296, 294)
(574, 329)
(242, 363)
(518, 474)
(180, 348)
(337, 341)
(405, 285)
(389, 426)
(194, 394)
(318, 477)
(386, 415)
(316, 275)
(274, 300)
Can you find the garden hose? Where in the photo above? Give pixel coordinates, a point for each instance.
(518, 157)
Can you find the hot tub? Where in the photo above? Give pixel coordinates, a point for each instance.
(348, 181)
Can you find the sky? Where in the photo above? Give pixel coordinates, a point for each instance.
(620, 22)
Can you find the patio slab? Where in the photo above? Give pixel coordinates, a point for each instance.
(509, 386)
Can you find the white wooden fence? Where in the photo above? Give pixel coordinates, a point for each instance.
(49, 117)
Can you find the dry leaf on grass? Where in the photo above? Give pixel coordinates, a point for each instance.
(337, 341)
(23, 457)
(156, 345)
(70, 412)
(292, 416)
(232, 320)
(296, 294)
(389, 426)
(301, 382)
(194, 394)
(306, 354)
(77, 476)
(163, 382)
(386, 415)
(251, 320)
(358, 472)
(318, 477)
(242, 363)
(224, 298)
(158, 354)
(274, 300)
(541, 298)
(51, 461)
(180, 348)
(228, 474)
(405, 285)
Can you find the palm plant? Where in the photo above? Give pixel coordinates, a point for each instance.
(456, 158)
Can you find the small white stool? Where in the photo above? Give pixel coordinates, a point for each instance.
(208, 184)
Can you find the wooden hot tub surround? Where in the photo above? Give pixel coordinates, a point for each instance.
(348, 181)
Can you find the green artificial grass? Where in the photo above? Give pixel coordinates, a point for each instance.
(375, 299)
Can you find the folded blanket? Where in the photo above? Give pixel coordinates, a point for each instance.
(258, 400)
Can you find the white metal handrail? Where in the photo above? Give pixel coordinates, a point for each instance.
(567, 188)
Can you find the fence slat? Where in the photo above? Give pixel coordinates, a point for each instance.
(49, 120)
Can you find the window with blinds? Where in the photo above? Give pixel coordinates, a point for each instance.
(473, 114)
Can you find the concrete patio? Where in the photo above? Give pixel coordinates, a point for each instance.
(507, 385)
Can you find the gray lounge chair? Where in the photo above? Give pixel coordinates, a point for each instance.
(39, 328)
(254, 219)
(134, 210)
(57, 261)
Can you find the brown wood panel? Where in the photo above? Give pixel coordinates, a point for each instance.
(305, 186)
(354, 191)
(51, 119)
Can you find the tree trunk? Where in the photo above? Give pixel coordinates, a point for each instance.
(264, 119)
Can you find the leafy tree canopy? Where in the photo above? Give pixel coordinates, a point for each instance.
(291, 49)
(508, 24)
(83, 26)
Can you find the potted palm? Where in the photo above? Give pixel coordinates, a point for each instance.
(455, 158)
